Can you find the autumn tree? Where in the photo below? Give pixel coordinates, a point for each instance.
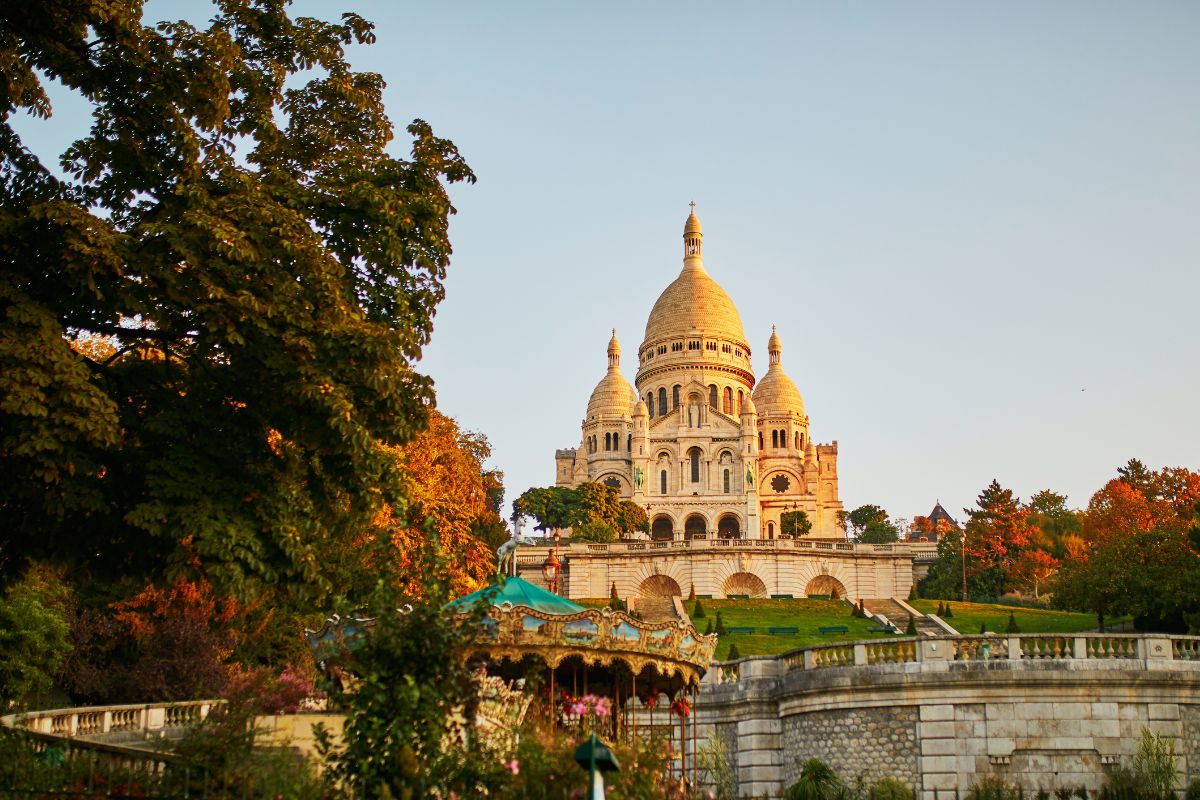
(1032, 568)
(448, 487)
(262, 270)
(1140, 558)
(632, 517)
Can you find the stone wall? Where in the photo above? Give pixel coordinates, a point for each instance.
(940, 714)
(865, 744)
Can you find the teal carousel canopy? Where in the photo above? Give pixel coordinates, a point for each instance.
(518, 592)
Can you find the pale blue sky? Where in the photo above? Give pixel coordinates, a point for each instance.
(977, 226)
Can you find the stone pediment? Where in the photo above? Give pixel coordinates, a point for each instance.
(696, 420)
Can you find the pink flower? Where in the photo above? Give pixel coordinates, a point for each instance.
(578, 709)
(514, 766)
(603, 707)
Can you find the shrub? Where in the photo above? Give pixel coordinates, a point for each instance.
(949, 612)
(692, 592)
(594, 531)
(982, 628)
(719, 628)
(708, 629)
(1012, 625)
(992, 787)
(733, 653)
(817, 782)
(1193, 790)
(714, 760)
(698, 611)
(1154, 765)
(913, 594)
(911, 630)
(890, 789)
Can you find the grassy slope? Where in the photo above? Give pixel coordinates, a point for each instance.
(968, 617)
(807, 615)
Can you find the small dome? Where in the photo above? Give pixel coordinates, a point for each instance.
(613, 395)
(640, 410)
(775, 393)
(748, 406)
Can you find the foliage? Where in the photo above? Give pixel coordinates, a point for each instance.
(1013, 627)
(413, 682)
(993, 787)
(719, 627)
(1032, 568)
(733, 653)
(632, 517)
(869, 523)
(911, 628)
(795, 523)
(264, 274)
(184, 638)
(698, 611)
(1154, 765)
(1142, 560)
(996, 532)
(444, 480)
(34, 636)
(595, 531)
(890, 789)
(817, 781)
(596, 503)
(714, 762)
(552, 507)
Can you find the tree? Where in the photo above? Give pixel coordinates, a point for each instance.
(1032, 568)
(597, 503)
(795, 523)
(996, 533)
(1054, 527)
(263, 272)
(33, 636)
(551, 507)
(632, 517)
(869, 524)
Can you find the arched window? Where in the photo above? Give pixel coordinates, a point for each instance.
(783, 438)
(774, 438)
(629, 442)
(675, 396)
(662, 482)
(726, 481)
(712, 395)
(727, 401)
(650, 404)
(694, 454)
(770, 530)
(797, 440)
(662, 402)
(607, 442)
(760, 440)
(739, 401)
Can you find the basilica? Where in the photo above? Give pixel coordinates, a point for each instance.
(706, 449)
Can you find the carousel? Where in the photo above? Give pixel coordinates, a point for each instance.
(566, 660)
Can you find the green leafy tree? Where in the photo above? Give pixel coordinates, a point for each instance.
(551, 507)
(632, 517)
(34, 636)
(595, 531)
(795, 523)
(597, 503)
(870, 524)
(262, 271)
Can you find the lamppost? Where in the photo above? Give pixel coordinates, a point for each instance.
(963, 540)
(552, 567)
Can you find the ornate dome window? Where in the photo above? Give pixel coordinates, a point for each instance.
(780, 483)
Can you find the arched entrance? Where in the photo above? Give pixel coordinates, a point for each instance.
(746, 583)
(662, 529)
(826, 585)
(659, 586)
(729, 528)
(695, 527)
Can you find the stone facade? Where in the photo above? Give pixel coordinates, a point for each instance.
(704, 449)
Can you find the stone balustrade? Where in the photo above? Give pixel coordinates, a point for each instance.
(915, 549)
(147, 721)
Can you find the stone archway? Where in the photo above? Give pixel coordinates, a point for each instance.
(663, 529)
(695, 527)
(746, 583)
(729, 528)
(826, 585)
(659, 586)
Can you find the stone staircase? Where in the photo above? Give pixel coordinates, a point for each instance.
(898, 616)
(654, 609)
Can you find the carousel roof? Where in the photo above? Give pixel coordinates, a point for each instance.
(518, 592)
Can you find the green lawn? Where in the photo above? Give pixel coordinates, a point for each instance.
(968, 617)
(807, 615)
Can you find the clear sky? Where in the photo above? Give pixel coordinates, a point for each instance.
(976, 226)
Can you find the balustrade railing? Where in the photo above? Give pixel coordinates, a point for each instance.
(916, 550)
(152, 720)
(1022, 648)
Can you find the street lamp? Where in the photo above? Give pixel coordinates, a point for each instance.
(552, 567)
(963, 540)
